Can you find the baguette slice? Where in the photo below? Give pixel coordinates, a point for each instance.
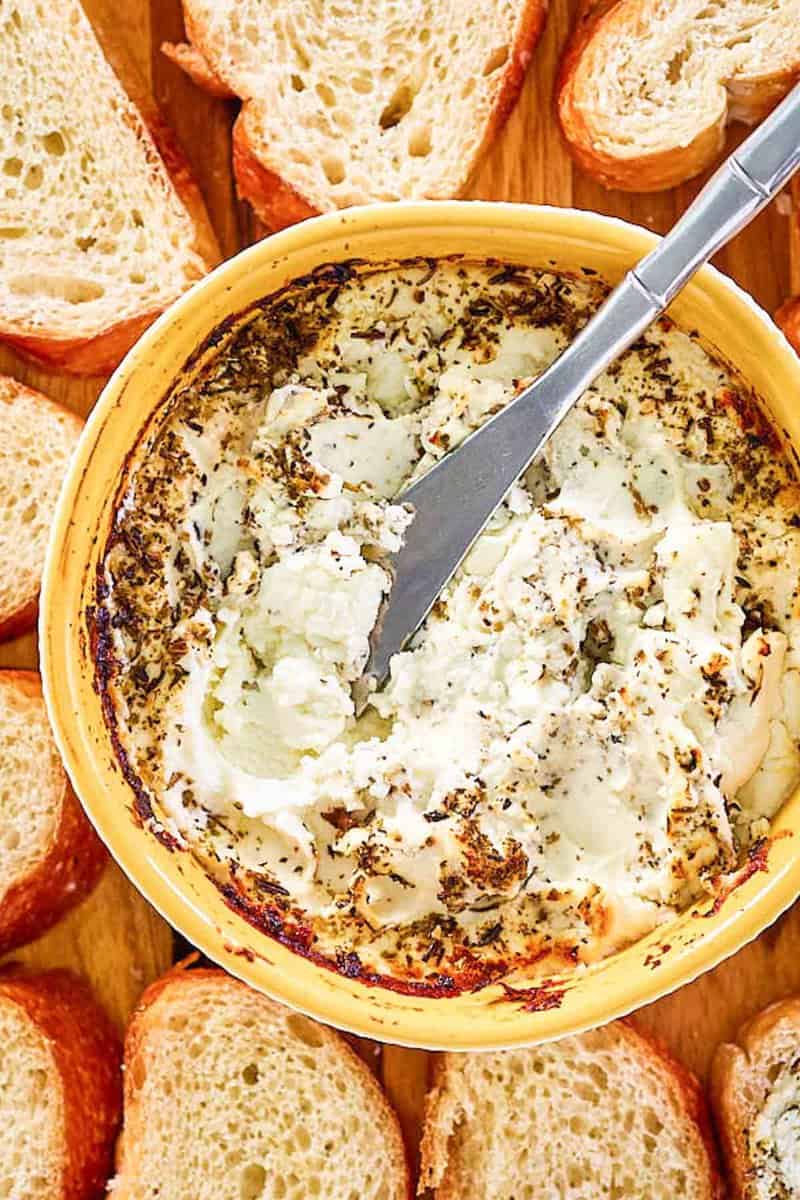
(60, 1088)
(743, 1074)
(98, 230)
(647, 87)
(50, 857)
(230, 1097)
(359, 101)
(605, 1114)
(37, 438)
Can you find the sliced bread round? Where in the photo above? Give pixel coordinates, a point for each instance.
(606, 1115)
(742, 1077)
(358, 101)
(229, 1096)
(101, 223)
(37, 438)
(50, 857)
(60, 1088)
(646, 87)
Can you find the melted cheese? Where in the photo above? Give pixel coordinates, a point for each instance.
(583, 719)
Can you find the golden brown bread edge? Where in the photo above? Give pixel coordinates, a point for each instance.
(68, 872)
(87, 1053)
(274, 200)
(23, 618)
(189, 59)
(186, 974)
(665, 169)
(101, 353)
(435, 1138)
(732, 1100)
(788, 315)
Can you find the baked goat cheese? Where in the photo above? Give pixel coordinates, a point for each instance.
(599, 717)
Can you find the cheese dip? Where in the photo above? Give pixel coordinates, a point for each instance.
(599, 717)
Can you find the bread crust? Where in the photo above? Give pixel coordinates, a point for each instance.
(739, 1086)
(748, 100)
(442, 1114)
(97, 355)
(438, 1126)
(86, 1054)
(189, 59)
(788, 317)
(70, 868)
(102, 352)
(144, 1025)
(274, 200)
(23, 618)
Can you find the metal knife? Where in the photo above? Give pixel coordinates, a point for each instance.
(454, 500)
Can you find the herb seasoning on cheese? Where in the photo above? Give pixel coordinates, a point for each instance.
(601, 713)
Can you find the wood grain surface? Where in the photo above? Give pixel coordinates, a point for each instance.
(114, 937)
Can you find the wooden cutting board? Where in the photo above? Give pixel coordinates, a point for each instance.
(115, 938)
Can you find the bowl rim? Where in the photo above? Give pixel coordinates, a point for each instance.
(754, 909)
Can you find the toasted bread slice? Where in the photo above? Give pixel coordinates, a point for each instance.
(98, 230)
(607, 1113)
(647, 87)
(37, 438)
(743, 1076)
(60, 1088)
(228, 1096)
(50, 857)
(356, 102)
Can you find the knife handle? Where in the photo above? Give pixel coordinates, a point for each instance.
(742, 186)
(457, 496)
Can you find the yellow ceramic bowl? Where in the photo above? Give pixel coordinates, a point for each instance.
(173, 882)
